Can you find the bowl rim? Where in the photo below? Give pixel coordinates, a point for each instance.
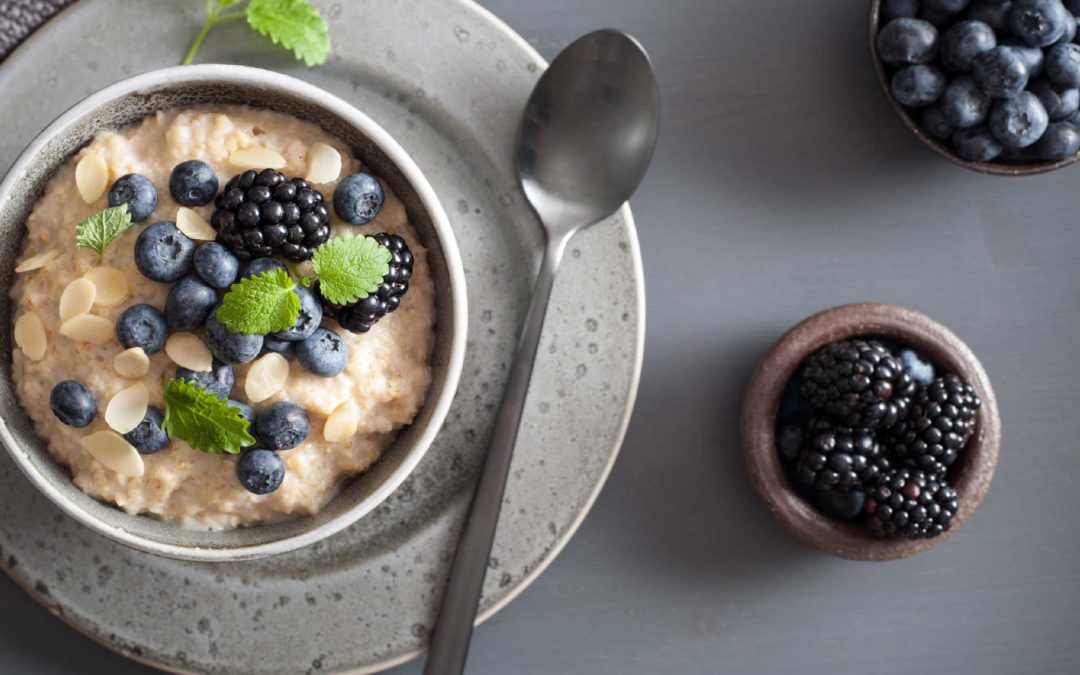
(940, 149)
(761, 403)
(458, 313)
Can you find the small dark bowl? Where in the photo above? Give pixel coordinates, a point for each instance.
(943, 150)
(971, 475)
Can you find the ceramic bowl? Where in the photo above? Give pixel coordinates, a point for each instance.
(133, 99)
(971, 475)
(943, 149)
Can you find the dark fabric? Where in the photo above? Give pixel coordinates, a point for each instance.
(19, 18)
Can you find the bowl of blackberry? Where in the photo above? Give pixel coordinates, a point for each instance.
(991, 85)
(871, 431)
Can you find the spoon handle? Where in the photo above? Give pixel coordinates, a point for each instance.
(453, 630)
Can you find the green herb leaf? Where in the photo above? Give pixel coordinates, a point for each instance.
(294, 24)
(261, 304)
(202, 420)
(350, 268)
(100, 229)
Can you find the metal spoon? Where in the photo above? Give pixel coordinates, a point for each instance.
(586, 138)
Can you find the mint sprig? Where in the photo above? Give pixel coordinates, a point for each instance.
(204, 421)
(100, 229)
(350, 268)
(260, 304)
(293, 24)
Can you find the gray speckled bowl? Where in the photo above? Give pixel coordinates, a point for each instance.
(137, 97)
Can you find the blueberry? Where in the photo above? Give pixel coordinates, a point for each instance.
(260, 471)
(901, 42)
(189, 303)
(1063, 65)
(73, 404)
(149, 437)
(1061, 103)
(358, 198)
(976, 144)
(1019, 122)
(840, 505)
(946, 6)
(283, 347)
(916, 86)
(324, 353)
(994, 13)
(218, 380)
(282, 426)
(789, 439)
(193, 183)
(964, 104)
(309, 319)
(216, 264)
(1070, 31)
(1039, 22)
(246, 412)
(143, 326)
(939, 20)
(1001, 72)
(917, 366)
(964, 41)
(230, 347)
(137, 192)
(163, 253)
(258, 266)
(897, 9)
(1061, 141)
(934, 122)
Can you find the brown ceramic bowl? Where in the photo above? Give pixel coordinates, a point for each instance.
(971, 475)
(943, 150)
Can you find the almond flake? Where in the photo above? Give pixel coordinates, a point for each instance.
(193, 225)
(266, 377)
(30, 336)
(77, 298)
(112, 285)
(110, 448)
(324, 164)
(88, 328)
(188, 351)
(341, 425)
(35, 261)
(132, 363)
(127, 408)
(257, 157)
(91, 178)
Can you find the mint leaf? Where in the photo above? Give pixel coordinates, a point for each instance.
(100, 229)
(202, 420)
(350, 268)
(294, 24)
(261, 304)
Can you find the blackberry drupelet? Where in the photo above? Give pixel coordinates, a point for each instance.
(260, 214)
(941, 420)
(858, 384)
(911, 504)
(360, 316)
(837, 458)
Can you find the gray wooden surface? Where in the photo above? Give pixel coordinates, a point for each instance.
(783, 185)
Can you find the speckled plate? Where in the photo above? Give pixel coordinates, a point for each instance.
(448, 80)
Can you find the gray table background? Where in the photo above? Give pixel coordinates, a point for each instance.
(783, 185)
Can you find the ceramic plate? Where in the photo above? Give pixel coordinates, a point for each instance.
(448, 80)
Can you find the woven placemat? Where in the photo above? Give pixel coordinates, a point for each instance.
(19, 18)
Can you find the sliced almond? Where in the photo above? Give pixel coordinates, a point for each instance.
(110, 448)
(77, 298)
(266, 377)
(30, 336)
(342, 423)
(127, 408)
(132, 363)
(35, 261)
(256, 157)
(91, 178)
(188, 351)
(193, 225)
(88, 328)
(324, 164)
(111, 284)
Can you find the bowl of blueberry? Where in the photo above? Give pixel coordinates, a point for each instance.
(871, 431)
(990, 85)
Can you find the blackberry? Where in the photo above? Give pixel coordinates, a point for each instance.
(941, 420)
(836, 458)
(857, 383)
(911, 504)
(360, 316)
(260, 214)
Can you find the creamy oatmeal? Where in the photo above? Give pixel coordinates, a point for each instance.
(382, 387)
